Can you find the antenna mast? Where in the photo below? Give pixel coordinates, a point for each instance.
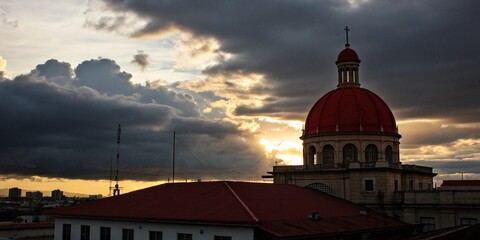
(116, 191)
(173, 159)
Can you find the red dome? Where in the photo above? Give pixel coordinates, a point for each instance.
(350, 110)
(348, 55)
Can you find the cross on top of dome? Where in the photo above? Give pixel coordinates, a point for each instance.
(348, 65)
(346, 33)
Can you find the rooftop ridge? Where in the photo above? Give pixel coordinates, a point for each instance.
(241, 202)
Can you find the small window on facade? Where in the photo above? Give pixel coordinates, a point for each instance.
(371, 153)
(66, 232)
(222, 238)
(389, 154)
(127, 234)
(420, 186)
(155, 235)
(428, 223)
(105, 233)
(84, 232)
(349, 153)
(184, 236)
(328, 156)
(429, 186)
(396, 185)
(410, 185)
(369, 185)
(468, 221)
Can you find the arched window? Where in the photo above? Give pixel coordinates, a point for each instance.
(371, 153)
(312, 156)
(349, 153)
(328, 155)
(389, 154)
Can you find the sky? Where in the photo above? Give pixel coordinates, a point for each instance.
(234, 79)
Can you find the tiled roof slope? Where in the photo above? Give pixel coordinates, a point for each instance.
(281, 210)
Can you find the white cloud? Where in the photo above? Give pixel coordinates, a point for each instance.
(3, 63)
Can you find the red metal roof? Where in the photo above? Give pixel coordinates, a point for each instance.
(347, 55)
(352, 110)
(460, 183)
(281, 210)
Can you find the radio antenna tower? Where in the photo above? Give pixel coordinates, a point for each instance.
(116, 190)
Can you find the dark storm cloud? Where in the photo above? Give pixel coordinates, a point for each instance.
(419, 56)
(105, 76)
(58, 72)
(141, 59)
(68, 128)
(451, 166)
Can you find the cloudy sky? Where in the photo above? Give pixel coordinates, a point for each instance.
(234, 79)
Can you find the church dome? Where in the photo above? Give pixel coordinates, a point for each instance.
(350, 110)
(347, 55)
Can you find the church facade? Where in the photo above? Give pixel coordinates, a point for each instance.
(351, 150)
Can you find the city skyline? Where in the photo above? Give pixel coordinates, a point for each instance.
(235, 80)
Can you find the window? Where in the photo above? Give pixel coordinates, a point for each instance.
(328, 155)
(389, 154)
(396, 185)
(468, 221)
(369, 185)
(222, 238)
(104, 233)
(84, 232)
(312, 156)
(184, 236)
(410, 185)
(155, 235)
(428, 223)
(127, 234)
(420, 186)
(66, 231)
(349, 153)
(371, 153)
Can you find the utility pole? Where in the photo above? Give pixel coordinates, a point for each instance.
(173, 159)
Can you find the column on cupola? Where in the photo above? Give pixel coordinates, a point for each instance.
(348, 73)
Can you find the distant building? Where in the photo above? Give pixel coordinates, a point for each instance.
(39, 230)
(14, 193)
(57, 194)
(224, 211)
(37, 195)
(460, 185)
(455, 203)
(351, 150)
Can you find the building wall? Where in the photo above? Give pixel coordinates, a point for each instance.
(361, 141)
(40, 233)
(445, 207)
(141, 229)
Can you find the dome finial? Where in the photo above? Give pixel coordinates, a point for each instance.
(346, 33)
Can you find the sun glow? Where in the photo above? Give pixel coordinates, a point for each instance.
(288, 152)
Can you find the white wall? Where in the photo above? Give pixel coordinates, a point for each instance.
(141, 229)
